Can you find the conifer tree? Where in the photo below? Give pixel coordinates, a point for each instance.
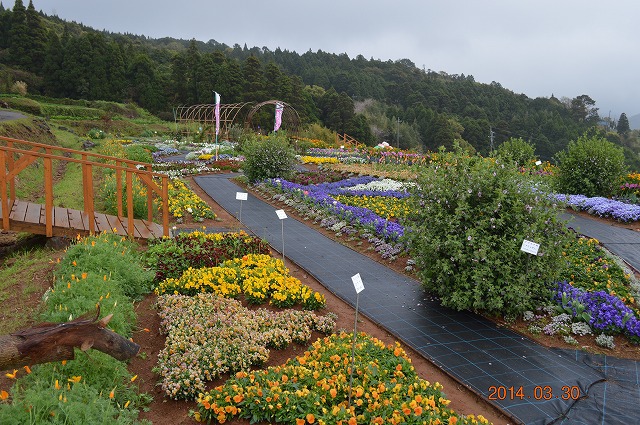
(623, 125)
(18, 38)
(36, 39)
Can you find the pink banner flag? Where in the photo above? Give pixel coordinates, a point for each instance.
(217, 112)
(279, 109)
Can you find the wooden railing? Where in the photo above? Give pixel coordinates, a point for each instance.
(13, 160)
(346, 140)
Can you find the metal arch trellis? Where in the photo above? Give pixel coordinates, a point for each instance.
(290, 117)
(204, 115)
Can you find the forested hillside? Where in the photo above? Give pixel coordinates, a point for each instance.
(371, 100)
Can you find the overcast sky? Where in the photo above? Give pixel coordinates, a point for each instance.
(537, 47)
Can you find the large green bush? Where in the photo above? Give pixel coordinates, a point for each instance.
(469, 219)
(590, 166)
(268, 157)
(517, 150)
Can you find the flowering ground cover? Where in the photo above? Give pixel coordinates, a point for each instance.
(326, 385)
(602, 207)
(99, 270)
(257, 277)
(171, 257)
(209, 335)
(183, 201)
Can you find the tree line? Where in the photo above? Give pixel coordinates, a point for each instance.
(427, 109)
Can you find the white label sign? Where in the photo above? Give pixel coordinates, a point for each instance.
(281, 214)
(530, 247)
(357, 283)
(241, 196)
(538, 162)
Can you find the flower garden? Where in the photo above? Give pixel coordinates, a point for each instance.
(225, 304)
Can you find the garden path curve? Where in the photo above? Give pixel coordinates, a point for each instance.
(468, 347)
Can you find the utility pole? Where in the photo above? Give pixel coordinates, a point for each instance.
(492, 134)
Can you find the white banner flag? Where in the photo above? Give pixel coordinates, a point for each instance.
(217, 112)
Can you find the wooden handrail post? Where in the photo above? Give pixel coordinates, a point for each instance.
(48, 196)
(165, 205)
(149, 168)
(129, 184)
(87, 189)
(3, 189)
(12, 182)
(119, 189)
(84, 173)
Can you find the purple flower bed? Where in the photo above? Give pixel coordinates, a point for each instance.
(608, 313)
(602, 207)
(322, 195)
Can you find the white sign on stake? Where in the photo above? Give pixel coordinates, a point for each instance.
(530, 247)
(538, 162)
(357, 283)
(241, 196)
(281, 214)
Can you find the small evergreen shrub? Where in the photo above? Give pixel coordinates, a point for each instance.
(268, 157)
(469, 217)
(590, 166)
(517, 150)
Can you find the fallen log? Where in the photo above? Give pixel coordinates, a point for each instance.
(49, 342)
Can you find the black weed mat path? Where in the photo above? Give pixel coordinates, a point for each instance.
(531, 384)
(625, 243)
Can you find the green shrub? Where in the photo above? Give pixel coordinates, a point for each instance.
(469, 218)
(516, 149)
(590, 166)
(138, 153)
(268, 157)
(96, 133)
(23, 104)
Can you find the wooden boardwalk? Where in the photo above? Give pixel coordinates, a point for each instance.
(30, 217)
(17, 156)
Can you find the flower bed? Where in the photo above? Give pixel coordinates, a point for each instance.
(318, 387)
(208, 336)
(170, 257)
(258, 277)
(183, 201)
(602, 207)
(99, 270)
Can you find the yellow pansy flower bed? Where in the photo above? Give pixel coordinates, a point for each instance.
(318, 160)
(258, 277)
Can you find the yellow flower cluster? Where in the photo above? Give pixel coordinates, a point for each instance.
(386, 207)
(183, 201)
(385, 389)
(318, 160)
(259, 277)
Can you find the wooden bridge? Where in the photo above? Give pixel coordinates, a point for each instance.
(21, 156)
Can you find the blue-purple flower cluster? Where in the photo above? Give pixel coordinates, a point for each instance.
(322, 195)
(602, 207)
(608, 313)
